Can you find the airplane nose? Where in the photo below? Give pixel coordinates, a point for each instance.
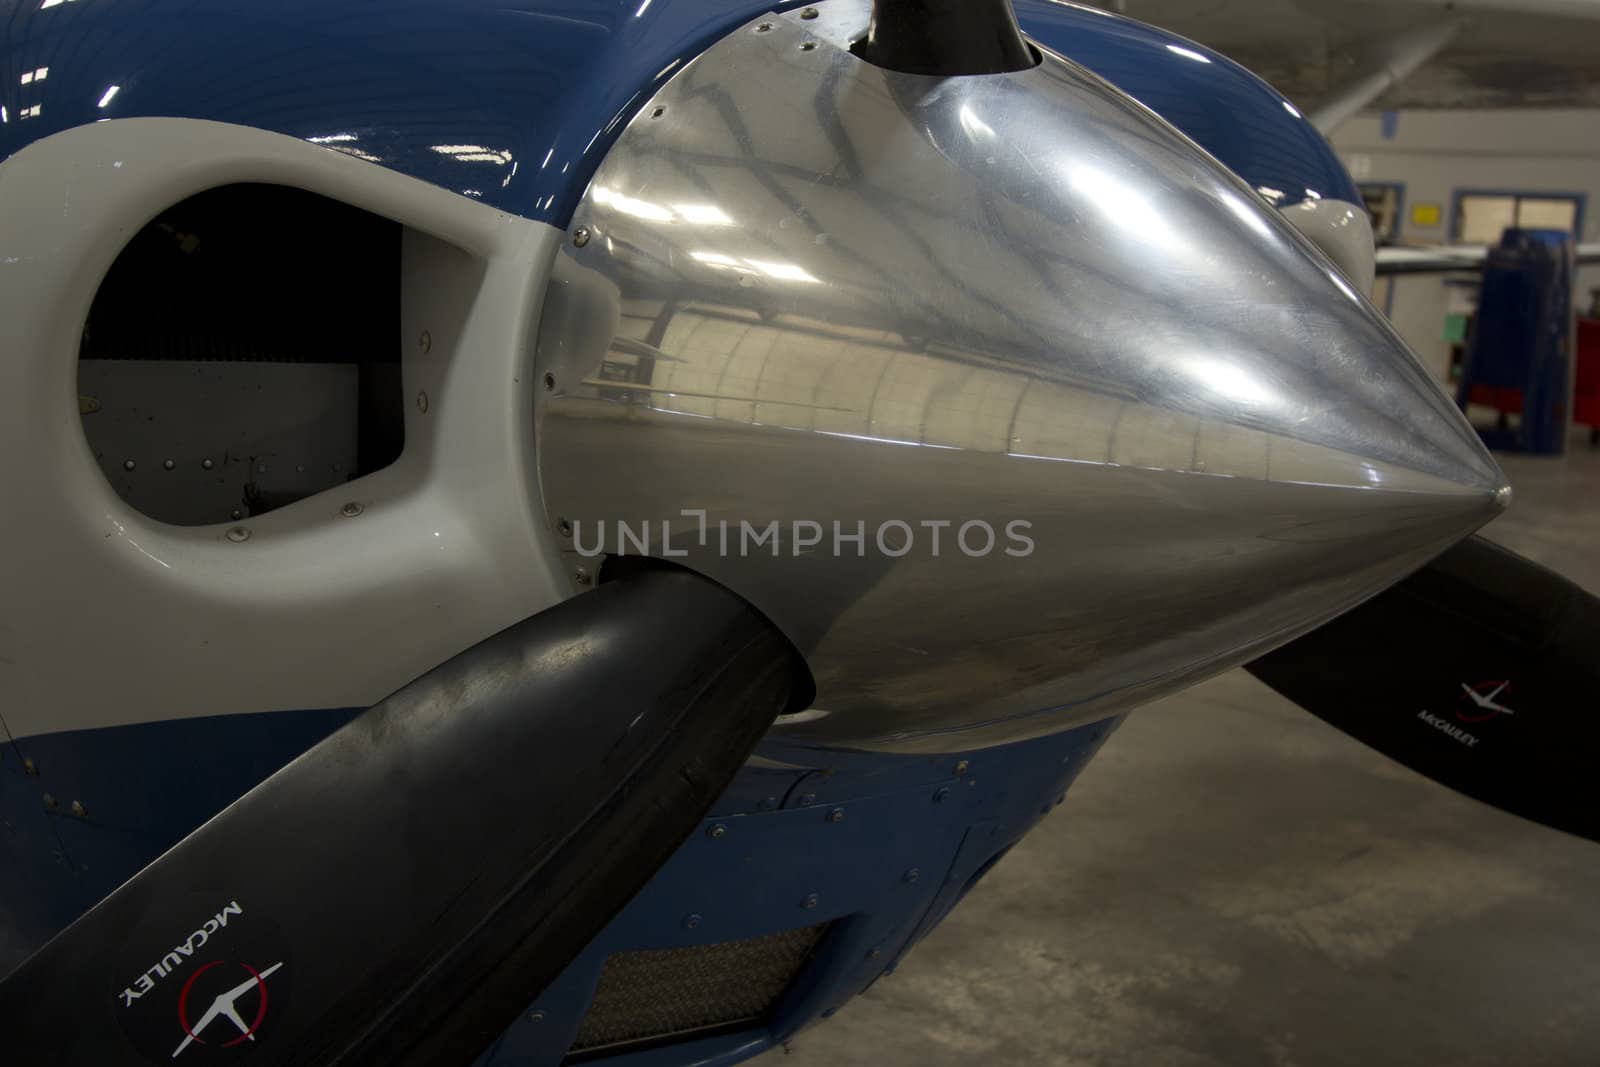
(1010, 405)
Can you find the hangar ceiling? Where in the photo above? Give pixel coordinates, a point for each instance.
(1307, 47)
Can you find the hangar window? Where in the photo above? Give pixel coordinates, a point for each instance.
(1482, 217)
(243, 352)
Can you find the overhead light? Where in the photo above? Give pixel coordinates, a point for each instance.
(641, 209)
(350, 150)
(789, 272)
(974, 126)
(109, 94)
(474, 153)
(703, 214)
(1228, 380)
(1188, 53)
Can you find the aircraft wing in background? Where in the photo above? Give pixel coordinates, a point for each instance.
(1442, 259)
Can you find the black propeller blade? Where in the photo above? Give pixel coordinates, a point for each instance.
(401, 891)
(1481, 671)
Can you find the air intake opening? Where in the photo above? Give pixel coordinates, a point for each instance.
(243, 352)
(661, 996)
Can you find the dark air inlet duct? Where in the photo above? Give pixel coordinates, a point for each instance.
(946, 37)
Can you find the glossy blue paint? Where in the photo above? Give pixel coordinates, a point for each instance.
(1248, 125)
(514, 102)
(900, 814)
(143, 788)
(531, 91)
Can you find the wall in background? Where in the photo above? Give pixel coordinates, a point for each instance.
(1436, 153)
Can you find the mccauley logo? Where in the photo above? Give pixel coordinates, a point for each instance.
(225, 1005)
(1446, 727)
(179, 955)
(217, 995)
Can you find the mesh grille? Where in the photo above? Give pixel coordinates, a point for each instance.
(661, 993)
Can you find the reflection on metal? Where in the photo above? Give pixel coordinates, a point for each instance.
(1014, 297)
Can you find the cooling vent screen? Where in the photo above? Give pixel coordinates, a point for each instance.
(660, 994)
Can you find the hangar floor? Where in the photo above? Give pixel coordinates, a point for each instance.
(1234, 883)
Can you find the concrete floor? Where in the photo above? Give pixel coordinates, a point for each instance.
(1232, 882)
